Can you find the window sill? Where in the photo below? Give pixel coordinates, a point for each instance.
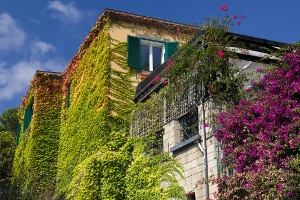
(185, 143)
(144, 75)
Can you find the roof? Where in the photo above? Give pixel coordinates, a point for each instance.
(52, 75)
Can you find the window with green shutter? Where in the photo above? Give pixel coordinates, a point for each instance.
(147, 54)
(68, 100)
(27, 117)
(171, 48)
(134, 52)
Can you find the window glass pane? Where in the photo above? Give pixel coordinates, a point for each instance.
(145, 57)
(157, 51)
(189, 125)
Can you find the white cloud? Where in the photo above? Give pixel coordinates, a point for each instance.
(39, 48)
(65, 12)
(3, 78)
(16, 79)
(11, 36)
(43, 46)
(16, 72)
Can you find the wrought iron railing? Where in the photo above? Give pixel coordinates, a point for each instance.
(152, 116)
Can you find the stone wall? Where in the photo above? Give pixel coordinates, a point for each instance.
(189, 154)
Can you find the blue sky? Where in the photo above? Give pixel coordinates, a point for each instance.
(44, 35)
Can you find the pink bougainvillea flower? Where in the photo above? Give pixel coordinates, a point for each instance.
(167, 69)
(234, 17)
(221, 53)
(212, 42)
(170, 62)
(156, 79)
(275, 126)
(259, 70)
(224, 7)
(279, 186)
(206, 124)
(165, 82)
(238, 23)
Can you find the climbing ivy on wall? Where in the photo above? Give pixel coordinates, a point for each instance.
(97, 159)
(19, 173)
(83, 150)
(153, 176)
(100, 103)
(125, 169)
(35, 162)
(101, 175)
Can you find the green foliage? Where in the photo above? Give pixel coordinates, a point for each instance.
(2, 128)
(87, 154)
(100, 104)
(207, 61)
(7, 151)
(34, 168)
(9, 119)
(153, 177)
(5, 188)
(19, 172)
(101, 175)
(205, 64)
(126, 172)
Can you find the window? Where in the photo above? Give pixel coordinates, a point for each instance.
(68, 96)
(152, 54)
(146, 54)
(27, 117)
(189, 125)
(191, 196)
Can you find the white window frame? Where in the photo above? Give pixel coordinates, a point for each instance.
(152, 44)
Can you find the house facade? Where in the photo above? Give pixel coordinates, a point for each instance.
(185, 126)
(38, 135)
(66, 118)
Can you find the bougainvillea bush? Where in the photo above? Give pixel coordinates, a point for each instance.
(261, 139)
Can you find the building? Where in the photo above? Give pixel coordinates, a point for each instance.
(38, 139)
(182, 124)
(67, 117)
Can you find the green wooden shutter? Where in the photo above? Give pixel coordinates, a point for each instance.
(27, 118)
(134, 52)
(68, 97)
(171, 48)
(18, 134)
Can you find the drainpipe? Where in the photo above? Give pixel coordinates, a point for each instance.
(203, 134)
